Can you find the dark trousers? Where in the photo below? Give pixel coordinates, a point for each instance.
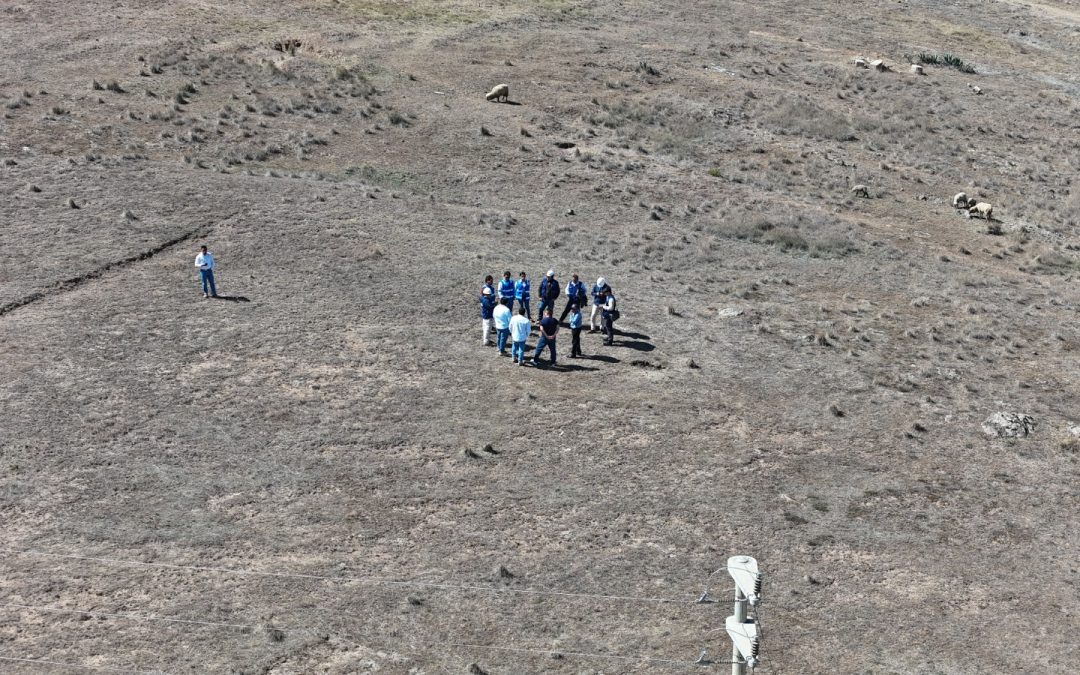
(566, 310)
(575, 346)
(525, 303)
(545, 304)
(609, 329)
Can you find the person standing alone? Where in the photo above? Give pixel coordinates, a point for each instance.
(205, 262)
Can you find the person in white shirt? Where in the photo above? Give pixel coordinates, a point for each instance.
(501, 317)
(519, 333)
(205, 262)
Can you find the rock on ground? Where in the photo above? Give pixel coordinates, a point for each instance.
(1008, 425)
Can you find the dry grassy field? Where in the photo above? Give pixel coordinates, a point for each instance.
(324, 472)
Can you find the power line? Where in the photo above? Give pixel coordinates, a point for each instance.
(81, 666)
(134, 617)
(141, 618)
(361, 580)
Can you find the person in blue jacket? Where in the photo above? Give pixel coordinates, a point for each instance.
(575, 295)
(487, 307)
(521, 293)
(506, 290)
(597, 301)
(549, 293)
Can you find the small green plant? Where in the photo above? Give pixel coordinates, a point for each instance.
(946, 59)
(715, 173)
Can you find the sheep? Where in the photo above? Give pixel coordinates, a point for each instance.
(972, 202)
(916, 69)
(501, 92)
(960, 201)
(983, 209)
(860, 62)
(861, 190)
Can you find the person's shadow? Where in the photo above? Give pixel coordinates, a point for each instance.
(637, 341)
(231, 298)
(603, 358)
(562, 367)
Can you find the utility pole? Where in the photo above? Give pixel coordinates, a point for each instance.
(743, 632)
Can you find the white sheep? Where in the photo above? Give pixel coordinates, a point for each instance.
(972, 202)
(982, 209)
(500, 92)
(862, 190)
(916, 69)
(960, 201)
(860, 62)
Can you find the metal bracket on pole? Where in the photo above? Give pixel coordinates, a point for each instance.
(745, 640)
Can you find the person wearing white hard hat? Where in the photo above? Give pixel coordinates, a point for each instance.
(549, 293)
(597, 301)
(487, 308)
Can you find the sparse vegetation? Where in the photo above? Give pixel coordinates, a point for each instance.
(946, 59)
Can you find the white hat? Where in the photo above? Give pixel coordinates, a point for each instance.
(601, 281)
(486, 291)
(551, 273)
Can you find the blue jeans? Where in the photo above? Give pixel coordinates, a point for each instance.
(517, 350)
(501, 336)
(540, 344)
(208, 279)
(545, 304)
(525, 303)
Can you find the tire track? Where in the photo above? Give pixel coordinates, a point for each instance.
(74, 282)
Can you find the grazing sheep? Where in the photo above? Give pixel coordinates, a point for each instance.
(972, 202)
(860, 62)
(916, 69)
(960, 201)
(861, 190)
(982, 209)
(501, 92)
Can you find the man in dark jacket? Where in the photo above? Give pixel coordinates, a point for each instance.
(549, 293)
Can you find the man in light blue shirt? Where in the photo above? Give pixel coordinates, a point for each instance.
(519, 333)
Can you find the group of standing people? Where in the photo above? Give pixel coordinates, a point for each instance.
(497, 309)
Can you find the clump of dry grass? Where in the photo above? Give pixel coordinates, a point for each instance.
(817, 235)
